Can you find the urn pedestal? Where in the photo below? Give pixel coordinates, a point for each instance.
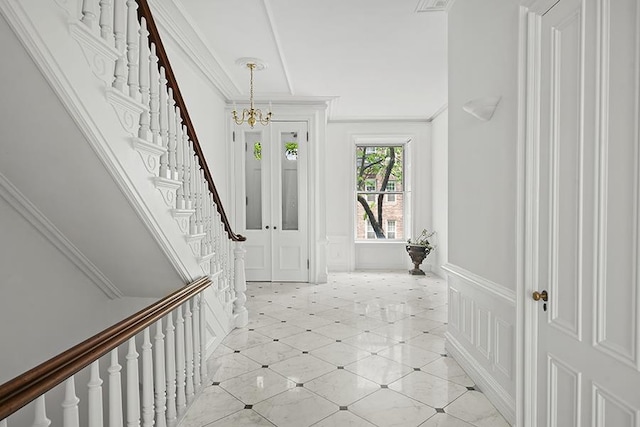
(417, 254)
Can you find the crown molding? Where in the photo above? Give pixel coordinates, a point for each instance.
(40, 222)
(176, 22)
(379, 119)
(439, 111)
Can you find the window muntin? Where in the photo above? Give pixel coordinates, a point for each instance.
(391, 229)
(380, 192)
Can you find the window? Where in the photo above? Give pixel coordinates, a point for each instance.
(391, 186)
(379, 172)
(391, 229)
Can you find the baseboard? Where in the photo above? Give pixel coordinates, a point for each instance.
(483, 379)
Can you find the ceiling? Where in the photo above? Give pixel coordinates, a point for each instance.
(375, 59)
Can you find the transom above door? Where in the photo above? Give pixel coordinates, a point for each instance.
(272, 164)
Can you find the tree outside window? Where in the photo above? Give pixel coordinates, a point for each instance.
(379, 191)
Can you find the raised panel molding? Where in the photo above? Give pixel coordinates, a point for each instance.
(24, 207)
(609, 410)
(505, 294)
(454, 308)
(467, 318)
(483, 332)
(563, 394)
(504, 346)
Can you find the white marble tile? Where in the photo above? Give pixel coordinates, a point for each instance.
(344, 419)
(438, 314)
(307, 341)
(386, 408)
(429, 342)
(302, 368)
(214, 403)
(370, 342)
(428, 389)
(364, 323)
(447, 368)
(258, 321)
(420, 324)
(232, 365)
(379, 369)
(397, 331)
(337, 314)
(256, 386)
(340, 354)
(445, 420)
(279, 330)
(221, 350)
(297, 407)
(474, 408)
(270, 353)
(337, 331)
(414, 357)
(245, 339)
(342, 387)
(243, 418)
(309, 322)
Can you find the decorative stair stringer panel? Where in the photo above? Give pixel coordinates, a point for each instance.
(44, 28)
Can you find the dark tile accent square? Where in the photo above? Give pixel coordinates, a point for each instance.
(413, 315)
(299, 385)
(440, 410)
(401, 342)
(261, 314)
(289, 307)
(344, 408)
(236, 351)
(416, 369)
(312, 314)
(374, 354)
(283, 321)
(276, 339)
(384, 386)
(367, 331)
(215, 383)
(444, 355)
(252, 329)
(362, 315)
(308, 330)
(340, 367)
(265, 366)
(425, 332)
(337, 321)
(305, 352)
(471, 388)
(248, 406)
(269, 301)
(338, 340)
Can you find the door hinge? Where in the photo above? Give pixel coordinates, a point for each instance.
(234, 136)
(307, 136)
(246, 146)
(307, 264)
(246, 201)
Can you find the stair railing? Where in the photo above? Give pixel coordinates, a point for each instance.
(144, 80)
(164, 349)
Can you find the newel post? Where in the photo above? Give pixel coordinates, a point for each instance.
(240, 313)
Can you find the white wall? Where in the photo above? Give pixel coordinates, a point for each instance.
(483, 61)
(47, 304)
(440, 196)
(343, 255)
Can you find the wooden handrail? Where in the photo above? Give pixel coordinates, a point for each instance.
(25, 388)
(144, 11)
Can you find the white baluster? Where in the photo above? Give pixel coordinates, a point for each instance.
(181, 400)
(160, 380)
(154, 100)
(204, 375)
(171, 370)
(40, 419)
(164, 136)
(240, 311)
(171, 109)
(147, 380)
(95, 396)
(180, 202)
(188, 158)
(201, 190)
(119, 28)
(196, 342)
(89, 13)
(70, 414)
(115, 391)
(133, 390)
(106, 21)
(193, 220)
(132, 49)
(188, 339)
(145, 57)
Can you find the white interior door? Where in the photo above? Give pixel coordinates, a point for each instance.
(586, 216)
(275, 210)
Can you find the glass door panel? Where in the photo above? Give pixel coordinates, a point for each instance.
(289, 169)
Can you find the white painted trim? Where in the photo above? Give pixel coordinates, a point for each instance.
(40, 222)
(276, 39)
(380, 119)
(439, 111)
(483, 379)
(493, 288)
(178, 25)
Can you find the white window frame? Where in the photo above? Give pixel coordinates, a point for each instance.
(388, 229)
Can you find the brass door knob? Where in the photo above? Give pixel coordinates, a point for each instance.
(537, 296)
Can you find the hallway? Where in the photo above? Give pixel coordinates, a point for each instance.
(365, 349)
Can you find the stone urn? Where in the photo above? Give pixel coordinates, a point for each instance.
(418, 254)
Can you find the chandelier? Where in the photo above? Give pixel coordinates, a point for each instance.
(252, 115)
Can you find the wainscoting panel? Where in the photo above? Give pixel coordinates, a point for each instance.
(481, 335)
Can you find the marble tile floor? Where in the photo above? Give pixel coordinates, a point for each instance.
(364, 350)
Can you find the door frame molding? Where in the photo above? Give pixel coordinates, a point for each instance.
(529, 63)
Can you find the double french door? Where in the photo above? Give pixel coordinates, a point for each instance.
(272, 164)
